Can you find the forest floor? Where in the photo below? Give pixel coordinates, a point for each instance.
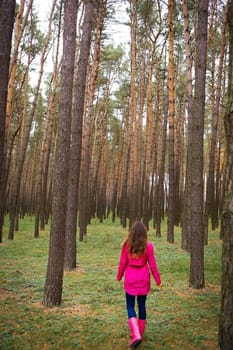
(93, 313)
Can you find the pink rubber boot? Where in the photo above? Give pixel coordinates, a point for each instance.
(136, 336)
(141, 326)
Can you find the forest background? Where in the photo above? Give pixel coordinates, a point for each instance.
(133, 131)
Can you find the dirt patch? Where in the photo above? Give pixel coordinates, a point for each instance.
(77, 271)
(4, 294)
(81, 310)
(190, 291)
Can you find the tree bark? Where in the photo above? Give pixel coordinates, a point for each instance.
(132, 192)
(7, 12)
(186, 212)
(197, 280)
(55, 268)
(76, 137)
(171, 114)
(226, 315)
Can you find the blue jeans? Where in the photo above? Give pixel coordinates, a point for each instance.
(130, 304)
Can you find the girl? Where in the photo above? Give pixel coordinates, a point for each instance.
(137, 256)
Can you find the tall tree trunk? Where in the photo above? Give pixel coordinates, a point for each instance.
(76, 139)
(55, 268)
(171, 112)
(148, 144)
(197, 229)
(117, 183)
(102, 171)
(226, 315)
(46, 133)
(186, 212)
(125, 171)
(7, 13)
(86, 139)
(179, 150)
(160, 144)
(161, 171)
(139, 130)
(132, 192)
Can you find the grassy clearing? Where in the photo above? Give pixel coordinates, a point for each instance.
(93, 315)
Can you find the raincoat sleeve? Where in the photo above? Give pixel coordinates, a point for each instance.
(122, 263)
(153, 264)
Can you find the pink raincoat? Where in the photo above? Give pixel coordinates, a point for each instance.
(137, 271)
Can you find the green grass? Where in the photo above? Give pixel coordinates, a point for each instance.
(93, 314)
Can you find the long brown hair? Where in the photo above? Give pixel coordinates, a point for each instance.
(137, 239)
